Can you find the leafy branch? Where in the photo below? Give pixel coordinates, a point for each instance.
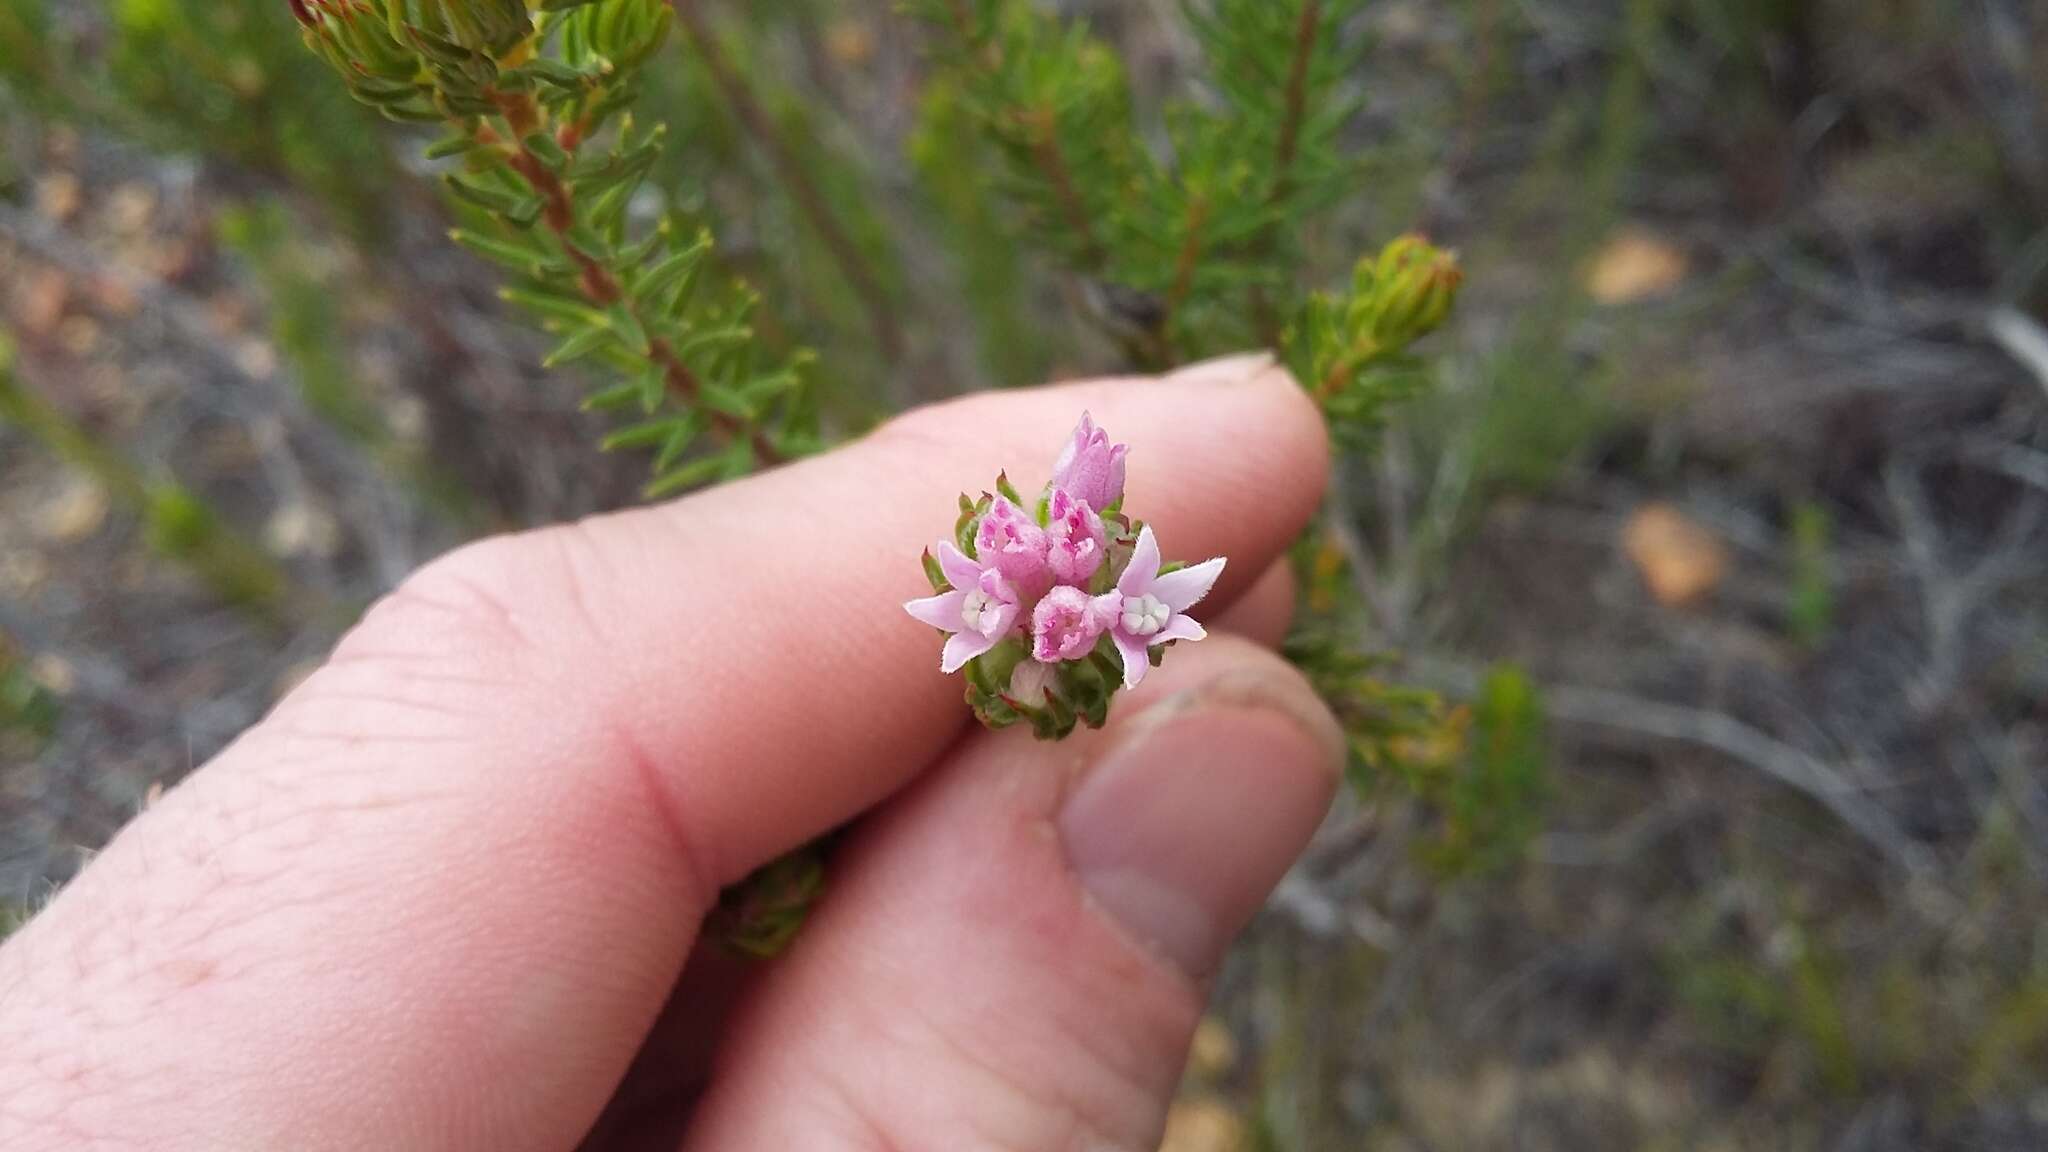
(537, 107)
(846, 254)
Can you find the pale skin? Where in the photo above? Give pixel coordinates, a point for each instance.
(449, 894)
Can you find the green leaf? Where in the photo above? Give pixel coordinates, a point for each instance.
(491, 200)
(684, 477)
(580, 345)
(643, 435)
(685, 433)
(716, 338)
(673, 270)
(544, 148)
(652, 385)
(553, 307)
(535, 263)
(616, 396)
(626, 324)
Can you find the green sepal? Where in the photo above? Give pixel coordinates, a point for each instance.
(934, 573)
(971, 512)
(1083, 683)
(991, 670)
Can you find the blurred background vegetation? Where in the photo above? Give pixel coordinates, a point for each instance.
(1739, 447)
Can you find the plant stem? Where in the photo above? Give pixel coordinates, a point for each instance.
(748, 110)
(1043, 124)
(1184, 270)
(1297, 96)
(1296, 110)
(598, 283)
(1344, 368)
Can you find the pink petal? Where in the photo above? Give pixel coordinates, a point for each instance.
(959, 571)
(1144, 567)
(998, 618)
(962, 647)
(1180, 628)
(1184, 589)
(941, 611)
(1136, 661)
(1083, 432)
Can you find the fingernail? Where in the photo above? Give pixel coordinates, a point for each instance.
(1190, 819)
(1234, 369)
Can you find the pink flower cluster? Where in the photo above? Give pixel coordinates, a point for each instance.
(1050, 579)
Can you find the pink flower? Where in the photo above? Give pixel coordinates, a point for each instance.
(1065, 624)
(1012, 543)
(981, 609)
(1091, 469)
(1074, 539)
(1148, 609)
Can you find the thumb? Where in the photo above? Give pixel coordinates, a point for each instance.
(1015, 952)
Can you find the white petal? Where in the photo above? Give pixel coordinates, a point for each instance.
(998, 617)
(1180, 628)
(941, 611)
(959, 571)
(962, 647)
(1144, 567)
(1184, 589)
(1136, 661)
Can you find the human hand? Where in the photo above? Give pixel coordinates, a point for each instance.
(448, 895)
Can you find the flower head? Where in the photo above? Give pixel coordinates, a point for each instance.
(1148, 608)
(1074, 538)
(1091, 469)
(1012, 543)
(1065, 624)
(1014, 596)
(979, 611)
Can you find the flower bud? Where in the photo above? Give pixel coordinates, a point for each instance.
(1074, 538)
(1413, 285)
(1065, 625)
(1029, 682)
(1090, 468)
(1011, 542)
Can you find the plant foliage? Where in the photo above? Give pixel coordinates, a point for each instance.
(549, 159)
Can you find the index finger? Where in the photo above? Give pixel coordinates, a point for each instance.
(790, 585)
